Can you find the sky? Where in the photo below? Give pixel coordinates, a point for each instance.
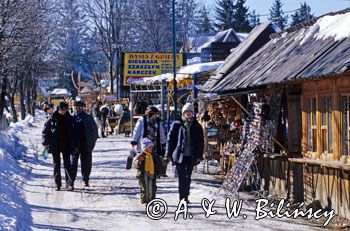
(318, 7)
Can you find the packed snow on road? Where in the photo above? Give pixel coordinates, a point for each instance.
(112, 202)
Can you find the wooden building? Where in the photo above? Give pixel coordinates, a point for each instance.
(309, 65)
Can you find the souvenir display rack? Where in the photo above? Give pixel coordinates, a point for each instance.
(250, 148)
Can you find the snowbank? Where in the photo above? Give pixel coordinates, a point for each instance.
(12, 153)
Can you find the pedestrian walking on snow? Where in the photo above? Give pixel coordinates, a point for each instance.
(96, 113)
(185, 148)
(58, 137)
(150, 126)
(105, 113)
(146, 171)
(86, 132)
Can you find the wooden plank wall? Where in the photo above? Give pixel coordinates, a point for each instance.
(331, 186)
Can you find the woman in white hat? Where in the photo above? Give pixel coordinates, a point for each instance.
(185, 147)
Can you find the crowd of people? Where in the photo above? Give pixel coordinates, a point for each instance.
(75, 136)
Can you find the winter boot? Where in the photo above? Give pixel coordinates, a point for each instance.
(70, 188)
(86, 184)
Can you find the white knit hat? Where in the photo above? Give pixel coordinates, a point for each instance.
(188, 107)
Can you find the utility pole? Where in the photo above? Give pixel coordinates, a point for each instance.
(116, 50)
(174, 62)
(117, 71)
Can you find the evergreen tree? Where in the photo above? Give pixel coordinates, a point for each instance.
(204, 24)
(303, 14)
(254, 19)
(277, 15)
(224, 14)
(241, 17)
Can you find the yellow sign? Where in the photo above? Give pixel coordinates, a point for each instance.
(141, 65)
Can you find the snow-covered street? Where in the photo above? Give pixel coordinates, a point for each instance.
(112, 202)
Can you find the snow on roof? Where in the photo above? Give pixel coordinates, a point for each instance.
(223, 36)
(186, 71)
(337, 26)
(242, 36)
(151, 80)
(196, 41)
(182, 73)
(309, 50)
(194, 60)
(60, 91)
(105, 82)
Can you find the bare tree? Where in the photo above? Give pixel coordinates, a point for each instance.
(25, 42)
(154, 25)
(187, 14)
(112, 20)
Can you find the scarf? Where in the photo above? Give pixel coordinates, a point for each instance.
(188, 124)
(149, 165)
(151, 129)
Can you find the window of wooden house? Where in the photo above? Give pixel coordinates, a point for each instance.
(311, 125)
(326, 124)
(345, 100)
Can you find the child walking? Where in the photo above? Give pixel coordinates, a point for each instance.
(146, 171)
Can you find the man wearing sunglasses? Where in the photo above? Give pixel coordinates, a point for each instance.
(59, 137)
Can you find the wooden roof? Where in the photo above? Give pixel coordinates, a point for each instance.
(255, 40)
(290, 56)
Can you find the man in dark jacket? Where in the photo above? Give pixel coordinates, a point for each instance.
(86, 131)
(185, 147)
(58, 137)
